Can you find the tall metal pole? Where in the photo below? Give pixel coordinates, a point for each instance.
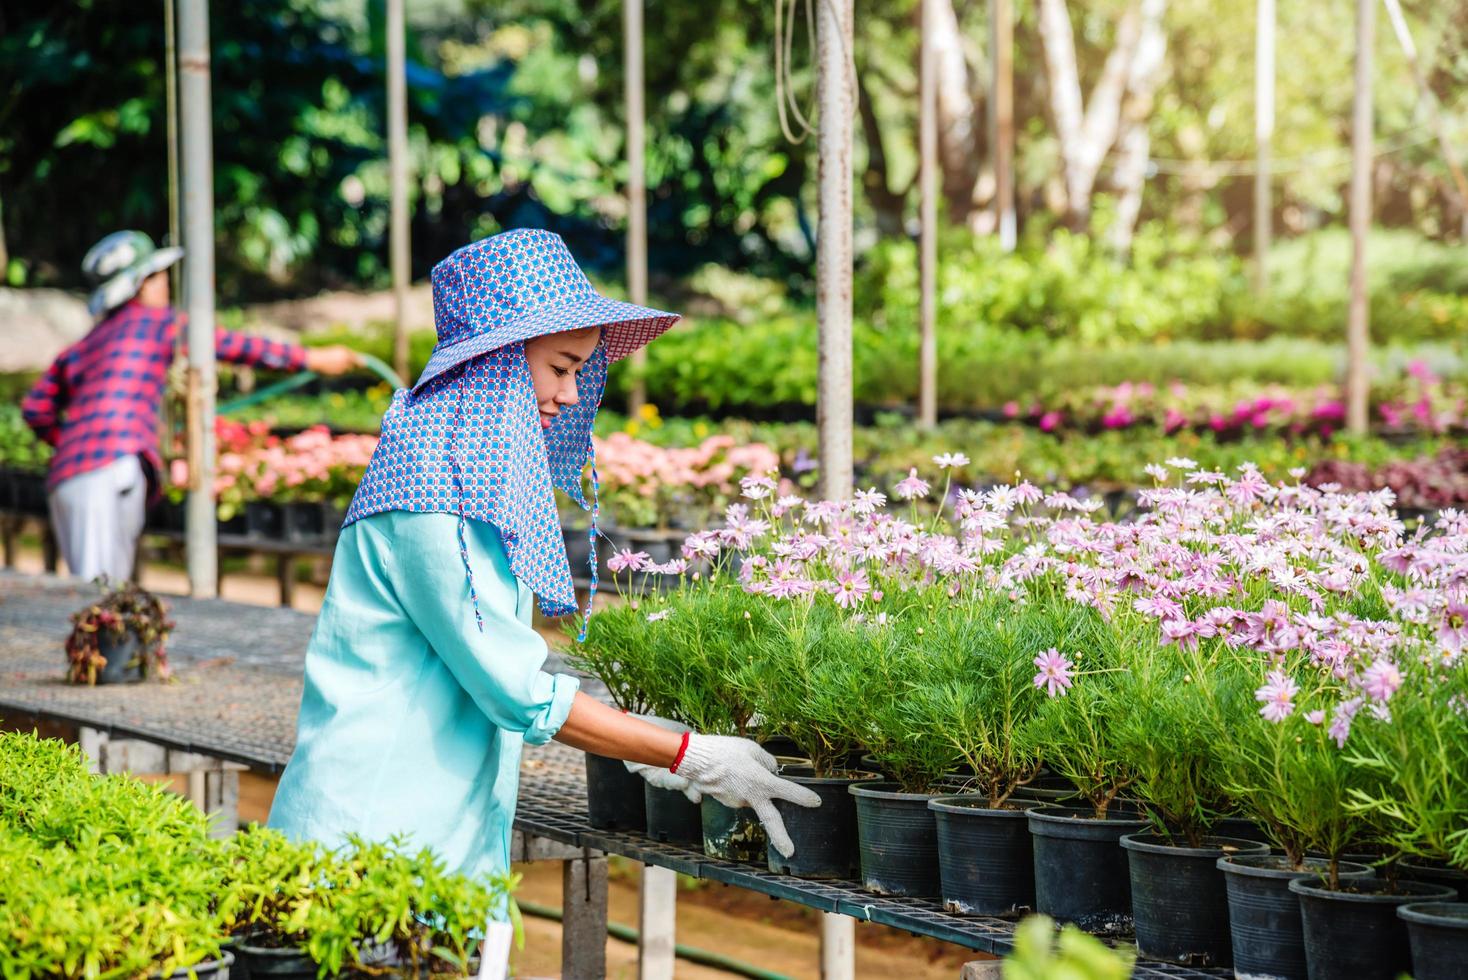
(835, 94)
(1001, 119)
(1263, 138)
(1357, 338)
(397, 170)
(170, 82)
(198, 234)
(927, 221)
(636, 185)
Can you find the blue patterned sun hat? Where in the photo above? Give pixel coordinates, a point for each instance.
(518, 285)
(467, 438)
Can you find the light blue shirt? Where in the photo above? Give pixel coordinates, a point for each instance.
(411, 719)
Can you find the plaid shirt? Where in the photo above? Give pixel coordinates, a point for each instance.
(99, 401)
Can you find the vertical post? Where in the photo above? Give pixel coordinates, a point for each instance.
(838, 947)
(1357, 340)
(584, 917)
(198, 231)
(1001, 118)
(927, 221)
(1263, 138)
(397, 170)
(636, 185)
(170, 78)
(835, 93)
(657, 923)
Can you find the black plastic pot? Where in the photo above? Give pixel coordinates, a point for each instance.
(29, 491)
(208, 970)
(305, 521)
(671, 818)
(825, 837)
(1240, 829)
(732, 835)
(1354, 933)
(1081, 871)
(897, 839)
(1048, 790)
(578, 550)
(1179, 902)
(869, 763)
(986, 862)
(266, 963)
(1264, 915)
(1436, 874)
(124, 656)
(235, 526)
(1437, 933)
(264, 519)
(169, 515)
(614, 797)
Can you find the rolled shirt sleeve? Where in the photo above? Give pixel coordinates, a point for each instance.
(501, 666)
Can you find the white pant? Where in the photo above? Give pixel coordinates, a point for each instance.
(98, 517)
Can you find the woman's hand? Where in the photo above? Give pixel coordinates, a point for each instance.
(335, 359)
(738, 773)
(734, 771)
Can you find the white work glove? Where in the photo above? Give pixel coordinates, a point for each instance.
(738, 773)
(659, 777)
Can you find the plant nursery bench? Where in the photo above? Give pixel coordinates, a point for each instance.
(232, 706)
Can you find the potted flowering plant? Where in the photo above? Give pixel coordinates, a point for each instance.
(121, 637)
(1417, 785)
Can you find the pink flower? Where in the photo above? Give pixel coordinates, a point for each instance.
(1278, 694)
(1452, 632)
(1054, 675)
(911, 487)
(627, 559)
(661, 614)
(851, 588)
(1381, 680)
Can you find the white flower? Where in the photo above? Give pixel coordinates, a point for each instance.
(660, 614)
(1181, 463)
(946, 460)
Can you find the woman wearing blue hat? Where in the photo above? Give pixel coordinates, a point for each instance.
(424, 677)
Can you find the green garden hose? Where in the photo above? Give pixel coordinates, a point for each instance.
(692, 954)
(295, 381)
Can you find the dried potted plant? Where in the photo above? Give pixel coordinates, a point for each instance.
(120, 637)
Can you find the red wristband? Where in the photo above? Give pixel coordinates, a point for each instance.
(678, 759)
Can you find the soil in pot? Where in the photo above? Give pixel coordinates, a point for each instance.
(1179, 902)
(219, 969)
(672, 818)
(124, 656)
(1081, 873)
(1264, 915)
(1437, 933)
(897, 839)
(614, 797)
(732, 835)
(1353, 933)
(825, 837)
(986, 862)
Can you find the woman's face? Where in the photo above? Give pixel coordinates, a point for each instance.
(555, 363)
